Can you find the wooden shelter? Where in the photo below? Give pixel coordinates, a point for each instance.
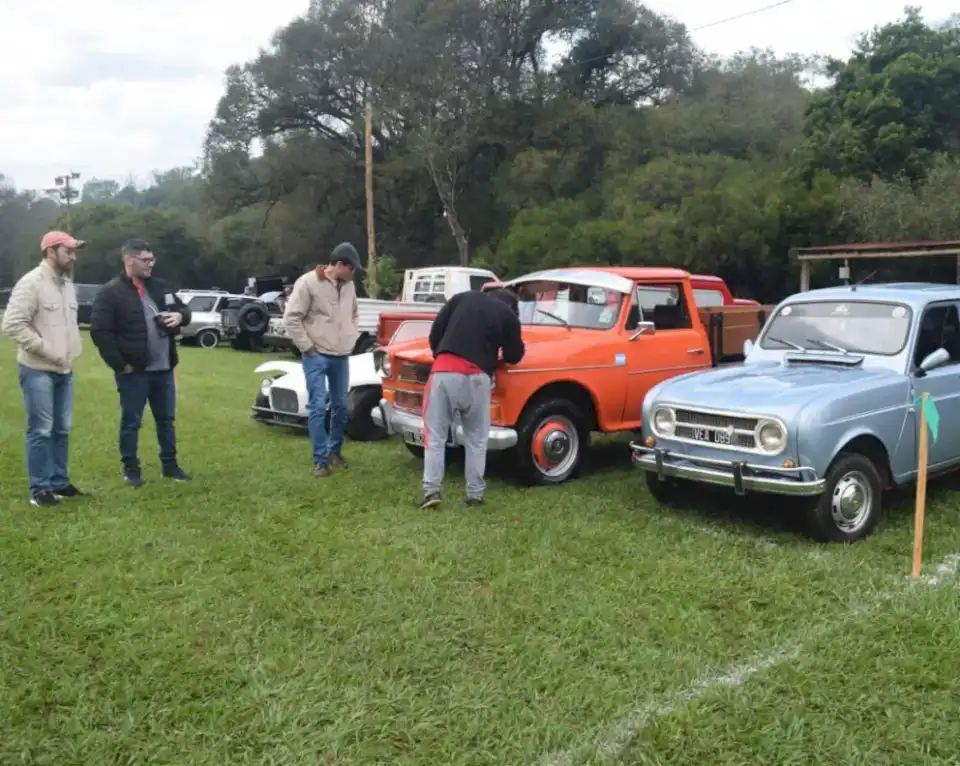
(861, 251)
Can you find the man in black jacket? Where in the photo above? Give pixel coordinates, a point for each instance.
(466, 339)
(134, 321)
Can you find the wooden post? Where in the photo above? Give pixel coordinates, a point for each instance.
(368, 162)
(804, 276)
(920, 508)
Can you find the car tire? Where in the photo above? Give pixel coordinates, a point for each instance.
(253, 319)
(360, 425)
(669, 491)
(208, 339)
(364, 345)
(552, 439)
(850, 506)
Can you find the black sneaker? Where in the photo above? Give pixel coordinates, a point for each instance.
(430, 500)
(474, 501)
(44, 499)
(337, 461)
(321, 470)
(133, 479)
(176, 473)
(68, 491)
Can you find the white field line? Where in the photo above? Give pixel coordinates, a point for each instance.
(611, 743)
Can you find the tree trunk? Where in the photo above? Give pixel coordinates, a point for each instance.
(460, 236)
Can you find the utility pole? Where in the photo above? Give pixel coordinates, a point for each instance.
(373, 288)
(65, 190)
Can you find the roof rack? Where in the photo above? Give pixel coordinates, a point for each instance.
(865, 250)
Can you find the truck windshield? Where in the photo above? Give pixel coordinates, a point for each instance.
(855, 326)
(560, 304)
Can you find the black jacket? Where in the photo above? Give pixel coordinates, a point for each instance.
(475, 326)
(118, 326)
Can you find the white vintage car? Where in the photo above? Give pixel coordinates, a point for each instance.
(282, 398)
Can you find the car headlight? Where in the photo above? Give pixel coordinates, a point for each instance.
(265, 386)
(386, 366)
(771, 436)
(664, 421)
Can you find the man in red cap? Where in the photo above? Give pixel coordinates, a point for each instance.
(41, 318)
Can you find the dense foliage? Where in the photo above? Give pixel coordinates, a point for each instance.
(632, 146)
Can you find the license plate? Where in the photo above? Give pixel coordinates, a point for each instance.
(717, 437)
(413, 437)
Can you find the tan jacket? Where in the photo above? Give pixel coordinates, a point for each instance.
(320, 318)
(41, 317)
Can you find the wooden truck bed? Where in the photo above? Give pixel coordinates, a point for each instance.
(729, 326)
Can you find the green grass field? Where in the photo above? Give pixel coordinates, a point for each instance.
(261, 616)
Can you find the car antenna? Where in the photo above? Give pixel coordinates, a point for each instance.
(855, 285)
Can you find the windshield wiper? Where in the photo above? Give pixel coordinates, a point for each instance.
(563, 321)
(825, 344)
(783, 342)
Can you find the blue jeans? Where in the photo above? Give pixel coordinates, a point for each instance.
(326, 374)
(48, 401)
(136, 389)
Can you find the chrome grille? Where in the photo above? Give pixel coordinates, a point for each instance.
(413, 373)
(722, 430)
(284, 400)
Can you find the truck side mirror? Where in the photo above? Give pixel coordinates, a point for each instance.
(644, 328)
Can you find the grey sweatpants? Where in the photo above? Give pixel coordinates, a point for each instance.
(447, 393)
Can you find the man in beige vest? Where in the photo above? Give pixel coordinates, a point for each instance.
(41, 318)
(322, 318)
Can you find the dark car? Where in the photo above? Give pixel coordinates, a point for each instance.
(85, 296)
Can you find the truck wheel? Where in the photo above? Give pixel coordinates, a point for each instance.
(849, 508)
(667, 492)
(360, 426)
(552, 438)
(208, 339)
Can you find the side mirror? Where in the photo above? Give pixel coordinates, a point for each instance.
(930, 362)
(644, 328)
(747, 347)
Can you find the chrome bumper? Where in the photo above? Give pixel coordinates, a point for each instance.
(410, 426)
(276, 418)
(743, 477)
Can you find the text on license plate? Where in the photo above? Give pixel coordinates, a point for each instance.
(706, 435)
(413, 437)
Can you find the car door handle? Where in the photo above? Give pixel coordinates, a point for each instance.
(694, 350)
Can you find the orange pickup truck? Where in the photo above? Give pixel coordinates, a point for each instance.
(597, 340)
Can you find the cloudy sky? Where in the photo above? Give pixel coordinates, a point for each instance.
(117, 88)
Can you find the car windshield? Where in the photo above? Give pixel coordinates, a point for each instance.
(411, 330)
(561, 304)
(855, 326)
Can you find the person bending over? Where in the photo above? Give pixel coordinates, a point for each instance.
(466, 338)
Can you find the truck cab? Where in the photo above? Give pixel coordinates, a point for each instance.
(597, 339)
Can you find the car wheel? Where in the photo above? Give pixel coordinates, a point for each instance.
(364, 345)
(669, 491)
(850, 506)
(552, 438)
(360, 425)
(208, 339)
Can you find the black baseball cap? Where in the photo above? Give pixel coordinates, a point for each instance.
(134, 246)
(348, 254)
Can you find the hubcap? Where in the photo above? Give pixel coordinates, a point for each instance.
(556, 446)
(851, 501)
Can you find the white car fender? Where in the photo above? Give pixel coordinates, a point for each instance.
(363, 372)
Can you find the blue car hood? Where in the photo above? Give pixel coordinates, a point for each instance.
(765, 388)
